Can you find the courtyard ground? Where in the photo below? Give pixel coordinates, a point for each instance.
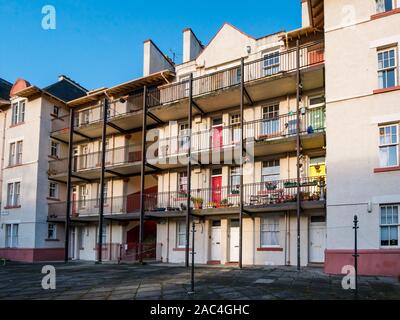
(88, 281)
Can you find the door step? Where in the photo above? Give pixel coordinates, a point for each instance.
(315, 264)
(214, 262)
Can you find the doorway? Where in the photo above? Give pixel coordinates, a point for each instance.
(216, 240)
(216, 186)
(217, 133)
(234, 241)
(317, 239)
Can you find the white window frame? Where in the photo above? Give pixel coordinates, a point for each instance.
(56, 111)
(15, 153)
(234, 172)
(11, 240)
(385, 70)
(384, 6)
(270, 171)
(53, 186)
(389, 225)
(52, 227)
(54, 146)
(182, 176)
(18, 112)
(387, 145)
(234, 121)
(268, 69)
(83, 195)
(270, 225)
(14, 194)
(179, 232)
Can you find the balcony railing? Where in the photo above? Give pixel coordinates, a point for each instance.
(113, 157)
(271, 65)
(312, 121)
(254, 194)
(94, 114)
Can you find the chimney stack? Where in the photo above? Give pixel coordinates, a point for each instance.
(192, 47)
(154, 60)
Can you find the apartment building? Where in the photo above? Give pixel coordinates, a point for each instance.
(25, 234)
(362, 92)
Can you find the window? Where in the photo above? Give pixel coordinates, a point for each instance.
(18, 112)
(51, 231)
(83, 195)
(56, 111)
(387, 68)
(13, 194)
(270, 124)
(383, 5)
(183, 138)
(388, 146)
(182, 182)
(181, 234)
(235, 125)
(234, 181)
(269, 232)
(12, 235)
(270, 173)
(55, 149)
(390, 225)
(53, 190)
(271, 63)
(15, 156)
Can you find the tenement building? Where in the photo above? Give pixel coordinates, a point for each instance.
(250, 151)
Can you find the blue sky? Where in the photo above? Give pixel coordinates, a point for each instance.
(100, 43)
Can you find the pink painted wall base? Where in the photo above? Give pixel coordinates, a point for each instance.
(32, 255)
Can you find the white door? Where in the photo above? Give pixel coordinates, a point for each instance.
(317, 240)
(216, 243)
(234, 244)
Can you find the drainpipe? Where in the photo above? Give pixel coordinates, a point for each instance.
(3, 143)
(167, 258)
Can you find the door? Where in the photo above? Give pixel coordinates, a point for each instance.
(317, 239)
(217, 133)
(75, 159)
(216, 189)
(74, 212)
(234, 242)
(72, 244)
(216, 241)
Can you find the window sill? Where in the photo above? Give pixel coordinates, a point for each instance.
(384, 90)
(56, 116)
(270, 249)
(14, 166)
(181, 249)
(54, 157)
(51, 240)
(385, 14)
(387, 169)
(53, 199)
(17, 124)
(12, 207)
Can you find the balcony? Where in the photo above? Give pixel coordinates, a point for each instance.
(124, 114)
(270, 136)
(270, 196)
(271, 76)
(124, 160)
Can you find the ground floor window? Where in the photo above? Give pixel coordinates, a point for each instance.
(12, 235)
(181, 234)
(390, 225)
(269, 231)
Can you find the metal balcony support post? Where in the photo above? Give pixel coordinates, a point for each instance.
(142, 176)
(69, 183)
(298, 97)
(103, 163)
(189, 171)
(241, 163)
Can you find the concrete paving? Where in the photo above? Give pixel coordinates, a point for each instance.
(88, 281)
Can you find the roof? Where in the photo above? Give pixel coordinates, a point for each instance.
(65, 90)
(124, 88)
(5, 88)
(316, 11)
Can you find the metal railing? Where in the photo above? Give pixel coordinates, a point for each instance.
(271, 65)
(94, 114)
(262, 193)
(113, 157)
(312, 121)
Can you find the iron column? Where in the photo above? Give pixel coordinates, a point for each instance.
(298, 149)
(241, 162)
(69, 184)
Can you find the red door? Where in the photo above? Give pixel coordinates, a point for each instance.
(74, 213)
(216, 189)
(217, 137)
